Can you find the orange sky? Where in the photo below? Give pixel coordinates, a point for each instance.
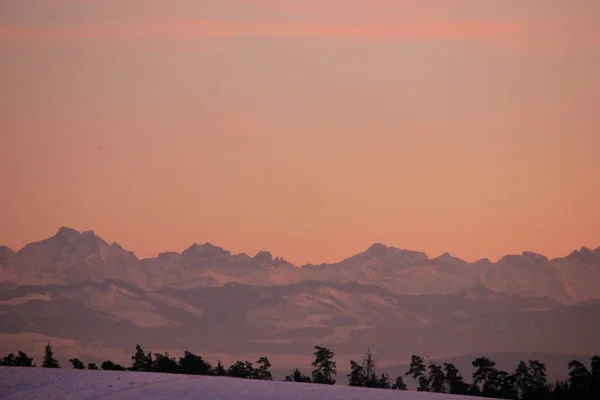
(307, 128)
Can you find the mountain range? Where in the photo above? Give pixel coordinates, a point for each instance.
(95, 300)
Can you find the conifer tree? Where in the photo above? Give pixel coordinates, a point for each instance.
(49, 360)
(325, 367)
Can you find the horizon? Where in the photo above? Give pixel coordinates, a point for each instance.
(311, 128)
(282, 257)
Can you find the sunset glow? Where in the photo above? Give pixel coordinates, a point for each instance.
(310, 129)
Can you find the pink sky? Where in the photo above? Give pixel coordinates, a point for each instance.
(307, 128)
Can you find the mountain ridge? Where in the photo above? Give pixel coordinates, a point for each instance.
(374, 247)
(71, 256)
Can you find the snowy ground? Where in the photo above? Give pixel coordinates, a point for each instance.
(68, 384)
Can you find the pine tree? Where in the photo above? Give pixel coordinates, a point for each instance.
(368, 363)
(356, 376)
(399, 384)
(24, 361)
(49, 360)
(437, 380)
(165, 364)
(141, 360)
(417, 371)
(220, 369)
(76, 363)
(194, 365)
(325, 367)
(263, 371)
(297, 376)
(454, 380)
(111, 366)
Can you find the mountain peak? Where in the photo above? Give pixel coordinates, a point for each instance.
(447, 257)
(377, 247)
(530, 255)
(263, 256)
(67, 232)
(206, 250)
(586, 255)
(5, 254)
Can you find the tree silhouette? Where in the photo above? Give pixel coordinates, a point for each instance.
(454, 380)
(24, 361)
(165, 364)
(49, 360)
(220, 370)
(324, 366)
(194, 365)
(369, 363)
(583, 383)
(263, 371)
(486, 376)
(76, 363)
(399, 384)
(111, 366)
(92, 366)
(297, 376)
(383, 382)
(417, 371)
(241, 369)
(141, 360)
(437, 379)
(357, 374)
(9, 361)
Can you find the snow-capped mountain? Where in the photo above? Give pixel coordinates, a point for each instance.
(95, 299)
(71, 256)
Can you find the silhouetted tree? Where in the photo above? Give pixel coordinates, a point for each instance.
(194, 365)
(530, 381)
(399, 384)
(92, 366)
(369, 363)
(583, 383)
(454, 380)
(506, 388)
(560, 391)
(49, 360)
(595, 386)
(437, 379)
(76, 363)
(263, 371)
(24, 361)
(297, 376)
(486, 376)
(220, 369)
(165, 364)
(111, 366)
(9, 361)
(417, 371)
(241, 369)
(383, 382)
(141, 360)
(357, 374)
(325, 367)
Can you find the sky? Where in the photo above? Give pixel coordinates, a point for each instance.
(307, 128)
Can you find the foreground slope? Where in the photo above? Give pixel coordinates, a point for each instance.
(39, 383)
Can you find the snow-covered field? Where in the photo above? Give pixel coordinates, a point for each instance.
(68, 384)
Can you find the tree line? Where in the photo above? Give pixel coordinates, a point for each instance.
(527, 382)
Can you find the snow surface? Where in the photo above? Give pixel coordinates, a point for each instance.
(67, 384)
